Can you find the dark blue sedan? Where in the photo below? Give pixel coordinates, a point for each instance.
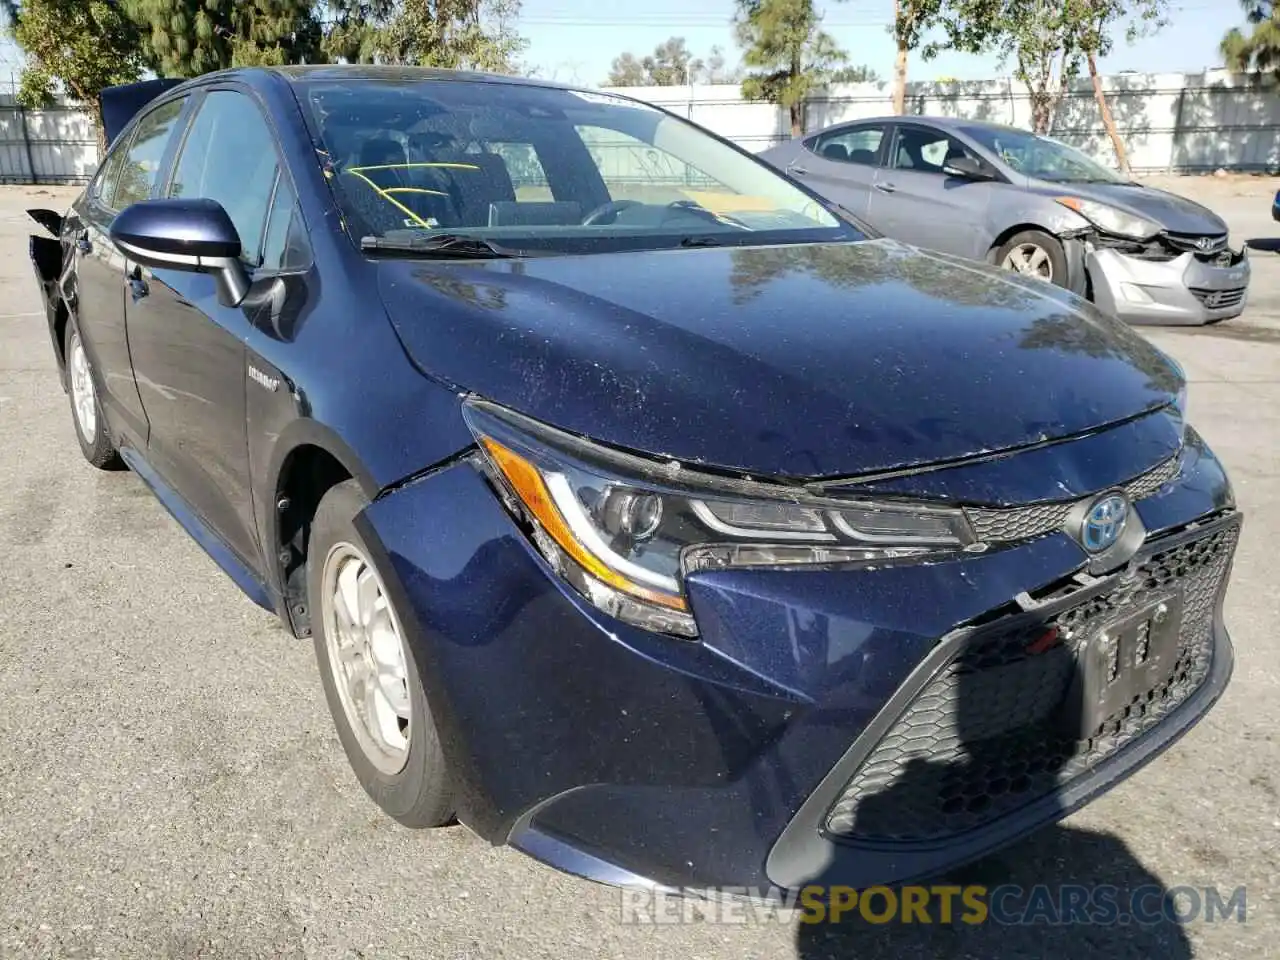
(646, 514)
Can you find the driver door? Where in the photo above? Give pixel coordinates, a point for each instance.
(189, 351)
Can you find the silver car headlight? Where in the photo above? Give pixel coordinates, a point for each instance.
(1111, 219)
(624, 531)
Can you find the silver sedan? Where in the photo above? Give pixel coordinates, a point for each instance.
(1031, 204)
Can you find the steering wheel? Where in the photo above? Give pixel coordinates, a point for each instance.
(610, 210)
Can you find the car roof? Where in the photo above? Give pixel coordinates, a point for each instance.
(361, 71)
(946, 123)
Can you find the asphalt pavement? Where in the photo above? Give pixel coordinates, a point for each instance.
(171, 785)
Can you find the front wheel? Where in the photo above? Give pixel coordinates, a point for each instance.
(1035, 254)
(370, 680)
(86, 412)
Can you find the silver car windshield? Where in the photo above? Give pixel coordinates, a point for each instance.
(1041, 157)
(531, 166)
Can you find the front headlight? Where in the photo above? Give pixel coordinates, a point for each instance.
(1111, 219)
(624, 531)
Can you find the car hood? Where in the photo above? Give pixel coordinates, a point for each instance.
(811, 360)
(1174, 213)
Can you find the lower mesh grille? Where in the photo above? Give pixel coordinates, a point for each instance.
(985, 735)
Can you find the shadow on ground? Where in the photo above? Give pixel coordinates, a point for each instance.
(1054, 857)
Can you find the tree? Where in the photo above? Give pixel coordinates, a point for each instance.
(784, 43)
(859, 74)
(1041, 37)
(453, 34)
(1259, 50)
(714, 69)
(910, 19)
(1048, 40)
(77, 47)
(627, 71)
(671, 64)
(185, 38)
(1096, 19)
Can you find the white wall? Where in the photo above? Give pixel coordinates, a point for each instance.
(1170, 121)
(59, 142)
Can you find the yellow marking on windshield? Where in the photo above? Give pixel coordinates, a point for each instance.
(390, 199)
(407, 166)
(434, 193)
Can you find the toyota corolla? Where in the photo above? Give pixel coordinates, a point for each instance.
(646, 514)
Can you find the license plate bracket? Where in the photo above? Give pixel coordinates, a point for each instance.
(1126, 658)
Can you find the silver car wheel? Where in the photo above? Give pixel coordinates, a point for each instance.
(84, 399)
(366, 657)
(1031, 259)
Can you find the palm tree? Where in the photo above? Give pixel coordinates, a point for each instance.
(1258, 50)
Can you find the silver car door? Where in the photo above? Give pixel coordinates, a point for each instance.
(840, 164)
(915, 201)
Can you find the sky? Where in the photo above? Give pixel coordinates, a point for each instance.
(574, 41)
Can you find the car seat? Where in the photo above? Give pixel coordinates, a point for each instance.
(475, 181)
(414, 195)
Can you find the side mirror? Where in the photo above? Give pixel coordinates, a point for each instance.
(967, 168)
(192, 235)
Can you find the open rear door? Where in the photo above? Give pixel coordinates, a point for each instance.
(119, 104)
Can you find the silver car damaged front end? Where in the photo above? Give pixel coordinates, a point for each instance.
(1169, 279)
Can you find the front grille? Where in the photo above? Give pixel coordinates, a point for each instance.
(1220, 299)
(1204, 246)
(985, 735)
(1170, 246)
(997, 525)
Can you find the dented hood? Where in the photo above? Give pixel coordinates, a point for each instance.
(799, 361)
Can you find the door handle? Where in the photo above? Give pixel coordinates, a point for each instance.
(885, 187)
(798, 171)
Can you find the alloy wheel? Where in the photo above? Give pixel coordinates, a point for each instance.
(84, 399)
(1031, 259)
(366, 657)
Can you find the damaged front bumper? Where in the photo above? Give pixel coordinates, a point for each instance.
(1184, 289)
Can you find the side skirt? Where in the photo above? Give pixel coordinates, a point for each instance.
(201, 533)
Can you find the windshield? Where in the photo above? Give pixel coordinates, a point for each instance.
(1040, 157)
(540, 168)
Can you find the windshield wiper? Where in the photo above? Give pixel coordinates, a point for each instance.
(452, 245)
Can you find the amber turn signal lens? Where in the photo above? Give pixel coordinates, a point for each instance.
(527, 483)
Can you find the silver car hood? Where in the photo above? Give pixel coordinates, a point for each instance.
(1174, 213)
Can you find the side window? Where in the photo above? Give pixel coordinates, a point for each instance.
(924, 150)
(105, 184)
(229, 156)
(859, 145)
(141, 162)
(284, 248)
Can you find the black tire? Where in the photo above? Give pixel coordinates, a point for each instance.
(421, 793)
(95, 442)
(1052, 246)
